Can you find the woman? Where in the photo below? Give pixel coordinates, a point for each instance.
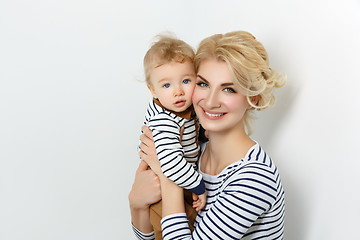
(245, 195)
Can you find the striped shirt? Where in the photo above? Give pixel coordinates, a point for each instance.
(244, 201)
(177, 156)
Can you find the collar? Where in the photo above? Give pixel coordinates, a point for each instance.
(185, 114)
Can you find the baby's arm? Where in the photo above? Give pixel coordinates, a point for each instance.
(166, 135)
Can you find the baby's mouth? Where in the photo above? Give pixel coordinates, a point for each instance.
(180, 103)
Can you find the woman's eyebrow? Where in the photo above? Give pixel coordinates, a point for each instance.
(202, 78)
(227, 84)
(223, 84)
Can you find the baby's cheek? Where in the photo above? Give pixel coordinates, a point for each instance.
(190, 90)
(196, 96)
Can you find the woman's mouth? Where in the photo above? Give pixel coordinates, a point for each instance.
(213, 115)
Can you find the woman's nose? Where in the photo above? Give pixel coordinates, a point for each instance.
(212, 100)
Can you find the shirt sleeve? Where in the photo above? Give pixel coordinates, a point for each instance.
(166, 134)
(243, 200)
(143, 236)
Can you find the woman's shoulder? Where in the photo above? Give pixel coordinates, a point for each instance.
(257, 170)
(256, 162)
(257, 154)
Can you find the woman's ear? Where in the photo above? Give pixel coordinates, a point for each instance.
(254, 100)
(152, 90)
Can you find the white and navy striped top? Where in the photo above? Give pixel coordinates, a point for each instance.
(177, 156)
(245, 201)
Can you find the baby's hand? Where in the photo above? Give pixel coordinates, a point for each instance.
(199, 201)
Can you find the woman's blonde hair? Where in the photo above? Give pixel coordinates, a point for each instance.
(248, 63)
(166, 50)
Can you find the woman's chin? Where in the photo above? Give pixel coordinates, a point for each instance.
(212, 127)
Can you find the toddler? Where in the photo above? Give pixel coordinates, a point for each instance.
(170, 77)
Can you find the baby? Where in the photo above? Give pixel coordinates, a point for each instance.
(170, 77)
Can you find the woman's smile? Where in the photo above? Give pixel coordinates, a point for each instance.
(213, 115)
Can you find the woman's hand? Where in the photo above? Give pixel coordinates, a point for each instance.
(148, 150)
(145, 191)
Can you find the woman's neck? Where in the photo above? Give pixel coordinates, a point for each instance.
(225, 148)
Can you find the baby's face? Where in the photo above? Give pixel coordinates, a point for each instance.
(173, 84)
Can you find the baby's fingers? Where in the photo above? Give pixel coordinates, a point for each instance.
(196, 205)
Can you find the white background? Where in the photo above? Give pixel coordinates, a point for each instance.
(72, 102)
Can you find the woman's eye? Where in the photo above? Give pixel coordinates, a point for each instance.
(201, 84)
(230, 90)
(186, 81)
(166, 85)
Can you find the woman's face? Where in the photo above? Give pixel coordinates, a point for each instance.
(217, 101)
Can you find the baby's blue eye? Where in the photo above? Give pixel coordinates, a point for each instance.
(166, 85)
(186, 81)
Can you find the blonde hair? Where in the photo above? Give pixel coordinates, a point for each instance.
(248, 63)
(166, 50)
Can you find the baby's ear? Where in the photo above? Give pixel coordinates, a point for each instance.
(152, 90)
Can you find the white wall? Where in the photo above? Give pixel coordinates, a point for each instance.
(71, 106)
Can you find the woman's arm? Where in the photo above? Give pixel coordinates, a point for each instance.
(172, 197)
(145, 191)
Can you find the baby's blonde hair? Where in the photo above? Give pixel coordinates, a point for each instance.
(166, 50)
(248, 63)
